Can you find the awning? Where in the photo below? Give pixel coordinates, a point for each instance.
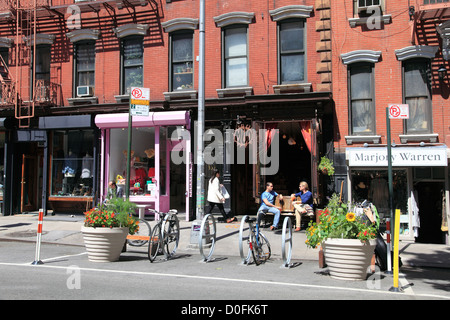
(65, 122)
(120, 120)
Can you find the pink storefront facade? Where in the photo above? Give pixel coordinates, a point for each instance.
(155, 139)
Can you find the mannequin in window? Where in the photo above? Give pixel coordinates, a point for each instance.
(86, 166)
(361, 191)
(70, 164)
(151, 161)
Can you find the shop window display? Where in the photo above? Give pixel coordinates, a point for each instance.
(142, 159)
(372, 185)
(72, 163)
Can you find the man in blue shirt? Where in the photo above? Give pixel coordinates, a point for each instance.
(304, 205)
(268, 204)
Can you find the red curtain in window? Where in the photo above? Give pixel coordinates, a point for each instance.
(270, 132)
(306, 132)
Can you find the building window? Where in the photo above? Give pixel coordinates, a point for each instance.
(361, 99)
(72, 163)
(85, 64)
(181, 61)
(291, 52)
(43, 63)
(417, 92)
(4, 54)
(132, 63)
(235, 56)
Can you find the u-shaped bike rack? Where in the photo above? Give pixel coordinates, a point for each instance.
(208, 222)
(286, 238)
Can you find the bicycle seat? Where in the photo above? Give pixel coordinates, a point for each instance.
(173, 211)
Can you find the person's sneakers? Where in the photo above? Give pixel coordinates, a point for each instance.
(272, 228)
(297, 229)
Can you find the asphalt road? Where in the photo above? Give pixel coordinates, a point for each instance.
(68, 275)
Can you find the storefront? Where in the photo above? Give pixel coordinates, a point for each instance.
(156, 141)
(420, 187)
(72, 165)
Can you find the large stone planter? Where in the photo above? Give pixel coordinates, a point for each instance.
(104, 244)
(348, 259)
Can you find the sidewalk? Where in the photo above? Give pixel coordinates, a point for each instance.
(65, 229)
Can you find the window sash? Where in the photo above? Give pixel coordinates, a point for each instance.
(361, 99)
(235, 57)
(291, 51)
(132, 63)
(417, 94)
(85, 64)
(182, 66)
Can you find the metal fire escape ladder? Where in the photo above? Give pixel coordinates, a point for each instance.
(6, 83)
(25, 28)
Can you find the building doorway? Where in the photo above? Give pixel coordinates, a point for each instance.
(430, 195)
(30, 173)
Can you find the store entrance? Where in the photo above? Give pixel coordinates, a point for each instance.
(430, 196)
(30, 170)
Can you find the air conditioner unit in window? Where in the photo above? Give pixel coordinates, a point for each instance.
(85, 91)
(363, 5)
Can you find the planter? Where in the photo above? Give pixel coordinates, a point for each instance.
(104, 244)
(348, 259)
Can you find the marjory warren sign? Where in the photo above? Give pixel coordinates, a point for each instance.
(401, 157)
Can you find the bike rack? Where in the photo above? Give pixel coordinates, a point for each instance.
(246, 259)
(287, 229)
(209, 236)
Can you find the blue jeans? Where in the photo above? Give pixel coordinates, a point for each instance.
(273, 210)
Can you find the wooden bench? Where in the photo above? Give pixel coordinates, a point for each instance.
(287, 210)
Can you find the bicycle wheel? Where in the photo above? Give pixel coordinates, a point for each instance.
(244, 241)
(170, 235)
(144, 230)
(260, 249)
(154, 243)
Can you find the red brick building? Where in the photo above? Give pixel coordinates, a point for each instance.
(390, 53)
(70, 65)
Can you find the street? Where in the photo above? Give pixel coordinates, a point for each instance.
(67, 274)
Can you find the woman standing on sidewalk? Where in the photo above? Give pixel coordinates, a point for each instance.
(215, 196)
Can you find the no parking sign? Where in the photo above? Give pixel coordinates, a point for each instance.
(398, 111)
(139, 101)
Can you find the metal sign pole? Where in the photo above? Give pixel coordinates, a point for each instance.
(127, 180)
(391, 189)
(201, 115)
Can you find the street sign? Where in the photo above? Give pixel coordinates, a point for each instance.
(398, 111)
(139, 101)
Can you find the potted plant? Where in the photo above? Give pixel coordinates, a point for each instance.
(326, 166)
(106, 227)
(348, 240)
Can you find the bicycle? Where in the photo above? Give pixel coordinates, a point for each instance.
(259, 246)
(165, 235)
(142, 235)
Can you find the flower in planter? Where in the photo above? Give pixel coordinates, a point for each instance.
(117, 214)
(326, 166)
(337, 222)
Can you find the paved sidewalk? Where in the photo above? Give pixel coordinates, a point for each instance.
(65, 229)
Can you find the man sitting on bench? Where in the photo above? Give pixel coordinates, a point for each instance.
(304, 205)
(268, 204)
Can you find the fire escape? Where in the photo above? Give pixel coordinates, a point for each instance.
(23, 89)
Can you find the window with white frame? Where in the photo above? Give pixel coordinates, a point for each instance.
(417, 94)
(235, 56)
(132, 63)
(291, 51)
(84, 64)
(181, 62)
(361, 99)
